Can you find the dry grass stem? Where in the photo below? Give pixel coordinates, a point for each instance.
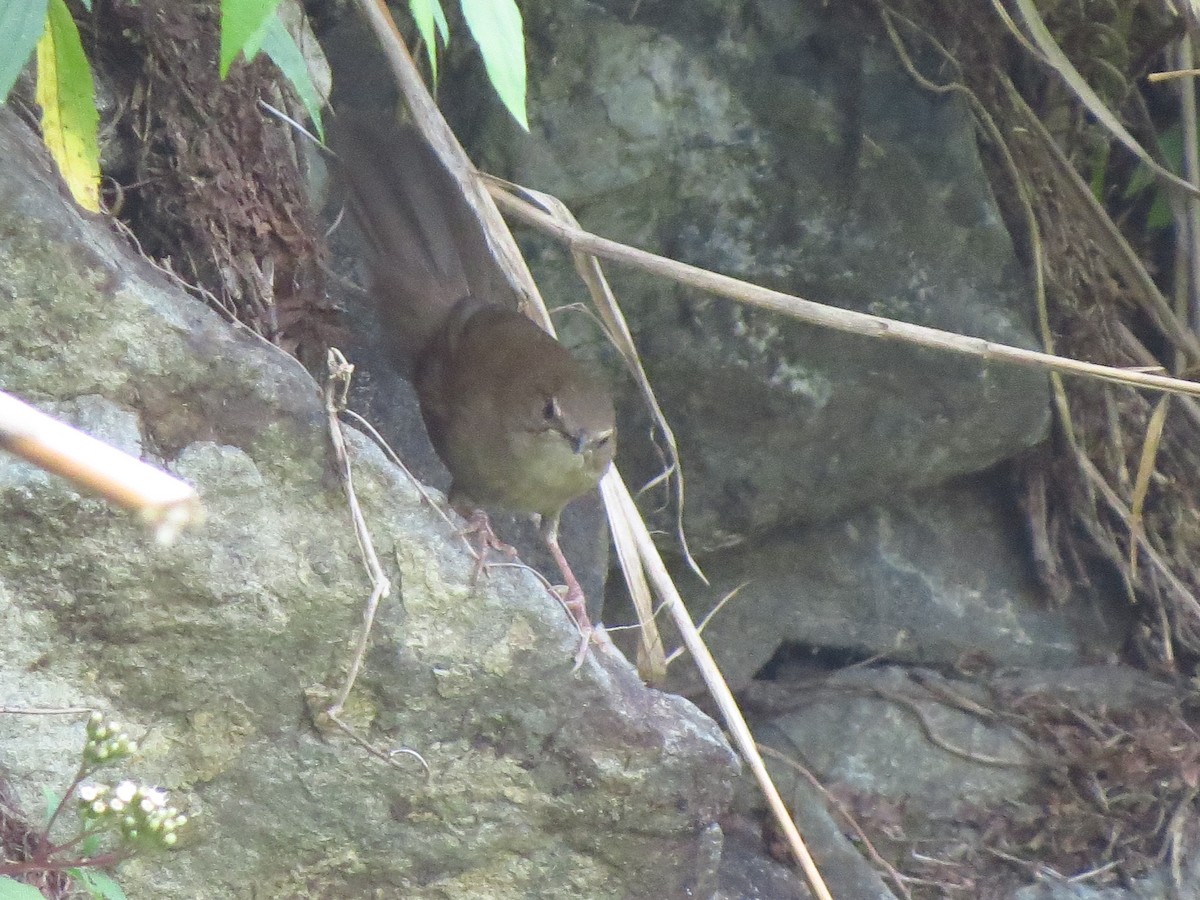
(651, 656)
(617, 495)
(1141, 486)
(164, 502)
(1155, 77)
(336, 387)
(708, 617)
(1177, 588)
(832, 317)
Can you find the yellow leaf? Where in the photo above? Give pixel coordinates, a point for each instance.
(66, 94)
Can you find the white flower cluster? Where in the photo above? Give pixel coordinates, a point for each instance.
(106, 742)
(140, 813)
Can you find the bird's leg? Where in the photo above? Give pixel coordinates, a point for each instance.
(479, 526)
(575, 601)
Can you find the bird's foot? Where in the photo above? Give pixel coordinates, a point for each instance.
(589, 634)
(483, 542)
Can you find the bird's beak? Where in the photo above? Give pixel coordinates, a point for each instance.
(585, 439)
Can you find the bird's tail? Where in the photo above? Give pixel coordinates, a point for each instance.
(425, 250)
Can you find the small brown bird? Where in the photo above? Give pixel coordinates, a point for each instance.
(517, 420)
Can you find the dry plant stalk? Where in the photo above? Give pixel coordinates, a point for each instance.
(336, 387)
(164, 502)
(831, 316)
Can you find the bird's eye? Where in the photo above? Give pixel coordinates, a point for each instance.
(551, 411)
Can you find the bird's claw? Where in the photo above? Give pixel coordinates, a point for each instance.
(479, 527)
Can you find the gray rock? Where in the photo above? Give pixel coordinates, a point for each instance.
(933, 577)
(868, 730)
(748, 874)
(862, 734)
(1050, 888)
(788, 148)
(544, 783)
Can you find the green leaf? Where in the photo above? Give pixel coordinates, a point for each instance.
(496, 27)
(15, 890)
(254, 43)
(1170, 145)
(21, 23)
(281, 47)
(1160, 215)
(99, 885)
(242, 22)
(1139, 181)
(428, 14)
(67, 97)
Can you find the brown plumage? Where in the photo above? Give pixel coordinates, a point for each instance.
(517, 420)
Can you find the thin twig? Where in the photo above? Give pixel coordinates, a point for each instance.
(708, 617)
(931, 733)
(335, 392)
(385, 756)
(832, 317)
(837, 804)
